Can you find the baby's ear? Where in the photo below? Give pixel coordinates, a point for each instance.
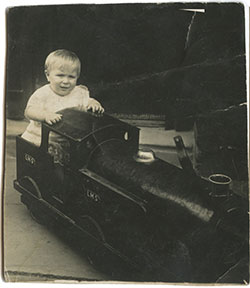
(46, 72)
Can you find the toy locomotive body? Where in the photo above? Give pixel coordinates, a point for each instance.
(159, 219)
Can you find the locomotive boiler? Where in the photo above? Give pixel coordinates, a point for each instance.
(162, 222)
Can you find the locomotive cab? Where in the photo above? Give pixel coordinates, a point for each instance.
(84, 132)
(83, 136)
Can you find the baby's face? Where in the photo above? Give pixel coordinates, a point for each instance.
(62, 78)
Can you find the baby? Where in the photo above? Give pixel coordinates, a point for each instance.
(62, 69)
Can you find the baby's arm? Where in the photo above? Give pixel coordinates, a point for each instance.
(88, 103)
(33, 113)
(35, 109)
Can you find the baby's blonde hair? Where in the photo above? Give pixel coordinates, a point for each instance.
(59, 56)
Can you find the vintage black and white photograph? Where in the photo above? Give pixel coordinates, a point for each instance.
(126, 154)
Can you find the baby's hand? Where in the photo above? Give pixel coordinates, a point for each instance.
(52, 118)
(95, 106)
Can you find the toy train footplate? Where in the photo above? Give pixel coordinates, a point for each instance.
(120, 205)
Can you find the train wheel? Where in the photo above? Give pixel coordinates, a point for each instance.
(35, 213)
(35, 216)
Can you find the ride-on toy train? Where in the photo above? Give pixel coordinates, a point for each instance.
(162, 222)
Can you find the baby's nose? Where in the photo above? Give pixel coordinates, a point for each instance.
(65, 80)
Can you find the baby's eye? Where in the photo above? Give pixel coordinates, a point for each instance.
(72, 77)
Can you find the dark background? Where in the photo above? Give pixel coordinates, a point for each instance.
(140, 60)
